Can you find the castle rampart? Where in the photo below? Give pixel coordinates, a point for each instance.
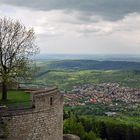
(43, 121)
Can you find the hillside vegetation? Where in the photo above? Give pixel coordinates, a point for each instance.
(66, 79)
(94, 65)
(106, 128)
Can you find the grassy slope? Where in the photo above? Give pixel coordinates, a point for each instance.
(16, 97)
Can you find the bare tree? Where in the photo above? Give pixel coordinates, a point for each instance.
(16, 48)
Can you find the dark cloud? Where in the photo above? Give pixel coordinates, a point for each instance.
(107, 9)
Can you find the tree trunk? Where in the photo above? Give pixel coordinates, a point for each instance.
(4, 91)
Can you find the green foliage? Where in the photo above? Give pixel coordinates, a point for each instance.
(120, 128)
(117, 128)
(90, 109)
(71, 126)
(91, 136)
(74, 125)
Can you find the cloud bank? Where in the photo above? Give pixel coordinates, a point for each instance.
(107, 9)
(80, 26)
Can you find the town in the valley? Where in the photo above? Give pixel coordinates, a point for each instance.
(109, 94)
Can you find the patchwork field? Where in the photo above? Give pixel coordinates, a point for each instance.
(66, 79)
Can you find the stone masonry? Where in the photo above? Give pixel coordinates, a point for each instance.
(43, 121)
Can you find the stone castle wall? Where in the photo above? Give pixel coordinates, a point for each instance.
(44, 121)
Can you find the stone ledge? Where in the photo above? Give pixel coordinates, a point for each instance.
(45, 90)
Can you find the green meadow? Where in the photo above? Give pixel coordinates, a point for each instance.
(16, 97)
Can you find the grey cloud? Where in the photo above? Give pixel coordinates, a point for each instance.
(107, 9)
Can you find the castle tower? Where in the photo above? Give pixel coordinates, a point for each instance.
(42, 121)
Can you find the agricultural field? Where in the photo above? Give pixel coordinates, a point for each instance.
(66, 79)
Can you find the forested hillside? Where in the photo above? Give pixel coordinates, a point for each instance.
(96, 65)
(67, 73)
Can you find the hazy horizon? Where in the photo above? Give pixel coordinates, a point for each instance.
(98, 57)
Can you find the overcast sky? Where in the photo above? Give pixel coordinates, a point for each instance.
(80, 26)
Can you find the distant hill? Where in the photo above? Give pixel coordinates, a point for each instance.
(94, 65)
(97, 57)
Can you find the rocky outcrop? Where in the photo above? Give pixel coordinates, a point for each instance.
(70, 137)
